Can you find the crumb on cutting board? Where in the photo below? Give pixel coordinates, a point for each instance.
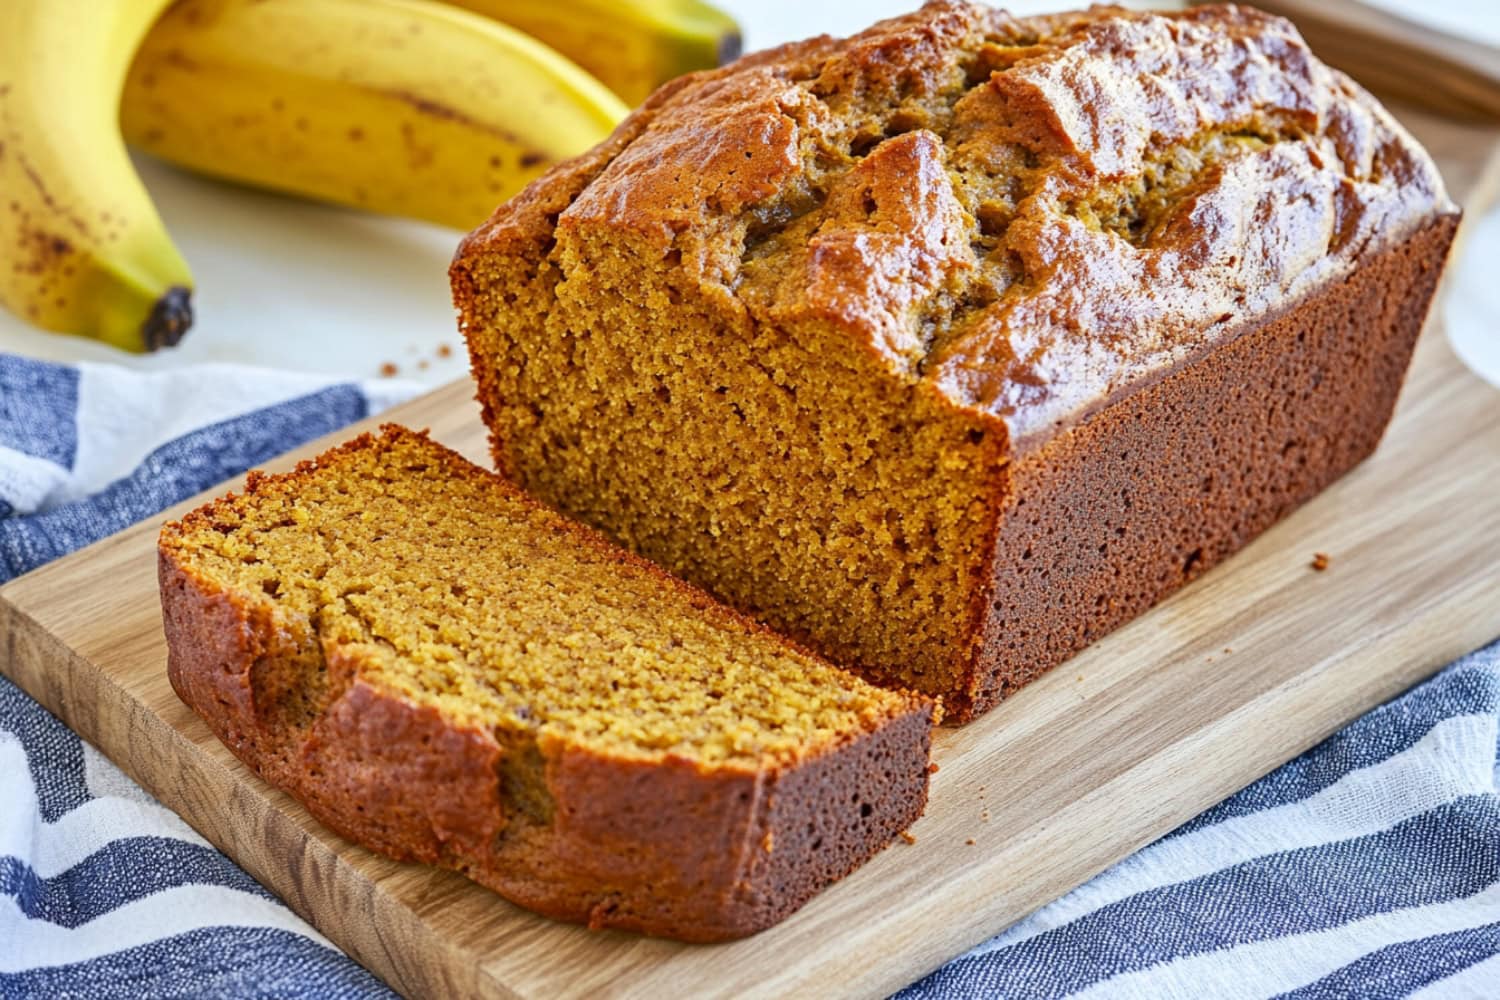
(907, 836)
(1320, 561)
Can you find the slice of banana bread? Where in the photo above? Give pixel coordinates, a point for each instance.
(954, 345)
(445, 671)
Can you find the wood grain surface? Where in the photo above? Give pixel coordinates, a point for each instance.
(1250, 665)
(1400, 58)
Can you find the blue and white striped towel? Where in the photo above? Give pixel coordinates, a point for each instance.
(1368, 867)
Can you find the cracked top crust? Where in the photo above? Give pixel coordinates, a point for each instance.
(1026, 215)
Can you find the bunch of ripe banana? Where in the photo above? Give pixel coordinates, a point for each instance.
(432, 109)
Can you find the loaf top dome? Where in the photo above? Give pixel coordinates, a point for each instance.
(1026, 216)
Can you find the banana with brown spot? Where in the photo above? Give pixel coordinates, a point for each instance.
(82, 248)
(405, 107)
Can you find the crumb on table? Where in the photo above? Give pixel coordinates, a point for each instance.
(1320, 561)
(388, 369)
(444, 351)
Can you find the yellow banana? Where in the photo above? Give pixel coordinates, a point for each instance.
(633, 46)
(408, 107)
(84, 250)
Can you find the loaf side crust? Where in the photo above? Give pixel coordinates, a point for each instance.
(1156, 488)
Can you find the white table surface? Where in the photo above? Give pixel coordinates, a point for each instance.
(292, 284)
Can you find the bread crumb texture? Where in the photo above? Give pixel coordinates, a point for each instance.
(438, 582)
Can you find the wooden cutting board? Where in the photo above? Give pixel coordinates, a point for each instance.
(1250, 665)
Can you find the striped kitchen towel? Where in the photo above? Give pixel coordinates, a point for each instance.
(1368, 867)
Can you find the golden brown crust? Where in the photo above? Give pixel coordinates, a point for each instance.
(876, 158)
(675, 848)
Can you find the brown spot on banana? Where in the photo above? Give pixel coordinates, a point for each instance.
(178, 59)
(418, 156)
(51, 203)
(443, 112)
(41, 252)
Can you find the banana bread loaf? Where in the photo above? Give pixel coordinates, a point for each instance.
(442, 669)
(954, 345)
